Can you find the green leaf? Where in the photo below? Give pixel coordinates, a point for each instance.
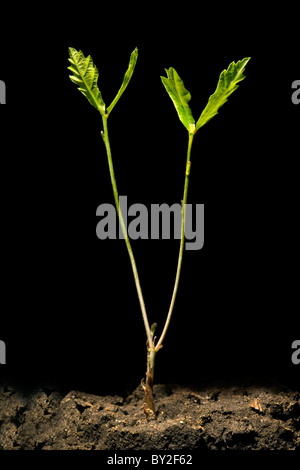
(180, 97)
(126, 79)
(85, 76)
(228, 82)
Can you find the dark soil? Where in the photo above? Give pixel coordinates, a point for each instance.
(208, 417)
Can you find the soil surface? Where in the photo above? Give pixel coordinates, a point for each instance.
(207, 417)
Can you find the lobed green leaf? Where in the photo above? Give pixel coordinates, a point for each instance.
(228, 82)
(126, 79)
(85, 75)
(180, 97)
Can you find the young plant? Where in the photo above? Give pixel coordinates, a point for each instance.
(85, 76)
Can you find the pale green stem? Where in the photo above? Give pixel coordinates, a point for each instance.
(181, 248)
(124, 231)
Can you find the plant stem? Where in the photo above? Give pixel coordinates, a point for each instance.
(124, 230)
(149, 407)
(181, 248)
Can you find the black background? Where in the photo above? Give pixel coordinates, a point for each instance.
(70, 314)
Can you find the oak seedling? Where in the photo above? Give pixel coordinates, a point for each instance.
(85, 75)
